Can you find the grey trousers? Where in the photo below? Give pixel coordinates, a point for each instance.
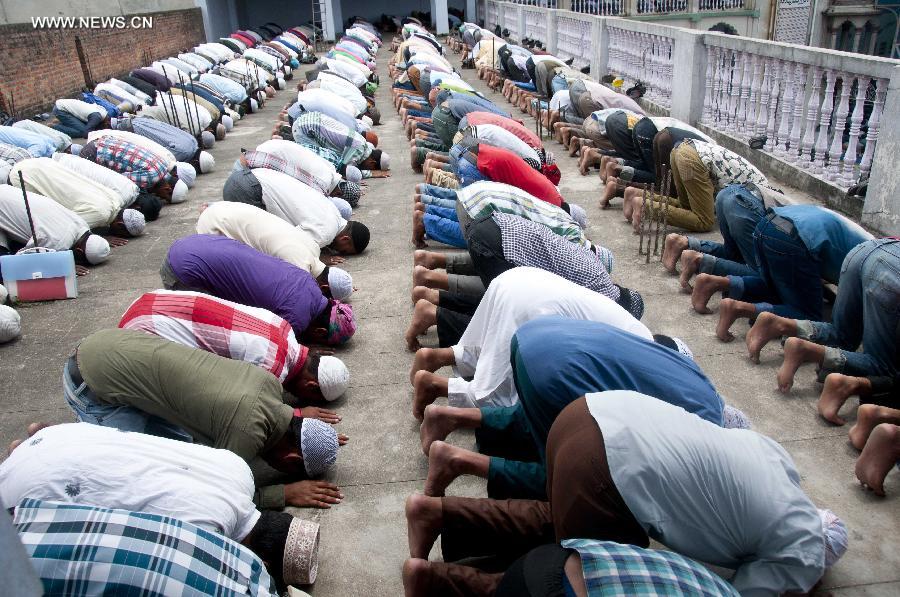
(461, 276)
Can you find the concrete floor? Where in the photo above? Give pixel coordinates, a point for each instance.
(363, 539)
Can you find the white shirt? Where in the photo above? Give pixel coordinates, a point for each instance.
(265, 232)
(343, 88)
(177, 106)
(81, 463)
(116, 95)
(515, 297)
(319, 95)
(500, 137)
(560, 100)
(56, 227)
(309, 161)
(97, 204)
(610, 98)
(729, 497)
(79, 109)
(345, 69)
(120, 184)
(139, 140)
(300, 205)
(62, 140)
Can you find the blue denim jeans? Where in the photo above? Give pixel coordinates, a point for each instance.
(467, 172)
(738, 212)
(867, 310)
(439, 202)
(526, 86)
(789, 282)
(442, 225)
(440, 192)
(558, 83)
(83, 402)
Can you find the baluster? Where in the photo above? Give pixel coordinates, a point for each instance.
(707, 116)
(742, 116)
(734, 90)
(848, 175)
(809, 133)
(834, 169)
(753, 106)
(821, 147)
(799, 98)
(865, 164)
(779, 71)
(667, 55)
(760, 103)
(718, 108)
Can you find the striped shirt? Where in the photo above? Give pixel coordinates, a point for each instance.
(270, 161)
(228, 329)
(726, 167)
(140, 165)
(315, 128)
(484, 198)
(12, 154)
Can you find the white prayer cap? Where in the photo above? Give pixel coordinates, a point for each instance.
(220, 131)
(228, 121)
(207, 139)
(385, 161)
(96, 249)
(4, 294)
(10, 324)
(342, 206)
(734, 418)
(280, 83)
(179, 193)
(186, 173)
(579, 215)
(340, 283)
(366, 120)
(353, 174)
(75, 149)
(319, 446)
(254, 105)
(207, 162)
(834, 531)
(300, 560)
(333, 377)
(134, 222)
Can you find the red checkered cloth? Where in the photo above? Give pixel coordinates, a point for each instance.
(222, 327)
(140, 165)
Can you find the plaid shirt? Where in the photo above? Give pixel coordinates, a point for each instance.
(140, 165)
(270, 161)
(12, 154)
(222, 327)
(531, 245)
(315, 128)
(620, 570)
(484, 198)
(726, 167)
(83, 550)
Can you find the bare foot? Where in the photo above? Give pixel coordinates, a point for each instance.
(441, 468)
(435, 426)
(674, 245)
(418, 231)
(424, 519)
(690, 263)
(416, 577)
(837, 389)
(429, 259)
(767, 327)
(796, 352)
(426, 359)
(729, 311)
(634, 214)
(428, 387)
(706, 286)
(36, 426)
(868, 417)
(881, 453)
(432, 295)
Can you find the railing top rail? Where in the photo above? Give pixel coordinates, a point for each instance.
(642, 26)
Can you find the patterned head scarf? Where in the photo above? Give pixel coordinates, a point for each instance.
(350, 192)
(341, 325)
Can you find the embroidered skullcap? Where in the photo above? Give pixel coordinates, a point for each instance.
(835, 533)
(343, 207)
(579, 215)
(300, 564)
(734, 418)
(532, 162)
(96, 249)
(179, 193)
(318, 445)
(351, 192)
(228, 121)
(10, 323)
(353, 174)
(186, 173)
(207, 139)
(341, 325)
(75, 149)
(333, 377)
(340, 283)
(605, 257)
(134, 222)
(207, 162)
(674, 343)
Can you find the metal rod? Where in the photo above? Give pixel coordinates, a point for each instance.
(641, 225)
(658, 218)
(649, 218)
(667, 181)
(28, 208)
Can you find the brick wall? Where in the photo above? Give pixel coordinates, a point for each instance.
(37, 66)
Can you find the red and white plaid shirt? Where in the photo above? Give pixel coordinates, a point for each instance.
(222, 327)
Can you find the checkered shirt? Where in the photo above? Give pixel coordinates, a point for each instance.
(324, 152)
(270, 161)
(12, 154)
(222, 327)
(140, 165)
(315, 128)
(616, 570)
(82, 550)
(484, 198)
(528, 244)
(726, 167)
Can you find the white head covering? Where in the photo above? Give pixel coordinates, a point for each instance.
(254, 105)
(179, 193)
(318, 445)
(340, 283)
(385, 162)
(207, 162)
(333, 377)
(228, 121)
(207, 139)
(186, 173)
(353, 174)
(280, 83)
(134, 221)
(579, 215)
(220, 131)
(96, 249)
(75, 149)
(366, 120)
(734, 418)
(342, 206)
(300, 562)
(835, 534)
(10, 324)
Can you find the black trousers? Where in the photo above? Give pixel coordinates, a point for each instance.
(485, 241)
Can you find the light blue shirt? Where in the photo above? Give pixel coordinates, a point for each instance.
(729, 497)
(37, 145)
(230, 89)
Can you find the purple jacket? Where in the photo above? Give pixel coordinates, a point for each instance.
(231, 270)
(156, 79)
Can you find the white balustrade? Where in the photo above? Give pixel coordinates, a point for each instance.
(536, 24)
(492, 18)
(510, 22)
(659, 7)
(573, 38)
(720, 5)
(644, 57)
(605, 8)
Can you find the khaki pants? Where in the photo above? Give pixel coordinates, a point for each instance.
(694, 209)
(442, 178)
